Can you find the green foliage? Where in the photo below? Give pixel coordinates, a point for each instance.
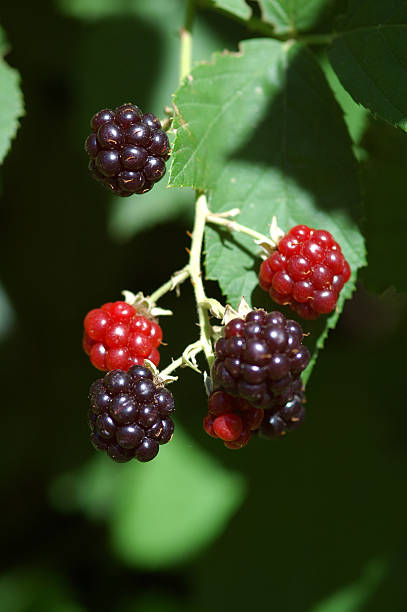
(11, 101)
(372, 65)
(291, 16)
(326, 505)
(159, 513)
(235, 7)
(282, 160)
(356, 116)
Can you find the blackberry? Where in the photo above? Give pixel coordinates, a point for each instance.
(260, 360)
(127, 150)
(288, 417)
(306, 272)
(129, 415)
(116, 336)
(231, 419)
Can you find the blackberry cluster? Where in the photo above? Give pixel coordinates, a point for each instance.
(232, 419)
(306, 272)
(127, 150)
(130, 414)
(260, 360)
(117, 337)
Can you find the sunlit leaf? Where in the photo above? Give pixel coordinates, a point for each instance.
(262, 131)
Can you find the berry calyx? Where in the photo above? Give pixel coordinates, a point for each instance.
(306, 272)
(127, 150)
(116, 336)
(129, 414)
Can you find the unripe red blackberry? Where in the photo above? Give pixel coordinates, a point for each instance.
(231, 419)
(127, 150)
(117, 337)
(129, 414)
(260, 359)
(306, 272)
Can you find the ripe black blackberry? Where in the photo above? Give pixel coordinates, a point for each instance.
(127, 150)
(288, 417)
(260, 359)
(130, 414)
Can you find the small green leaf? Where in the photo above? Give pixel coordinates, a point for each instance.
(235, 7)
(371, 64)
(291, 16)
(11, 101)
(269, 139)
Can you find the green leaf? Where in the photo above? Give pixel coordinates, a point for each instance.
(371, 64)
(234, 88)
(159, 513)
(11, 101)
(291, 16)
(235, 7)
(262, 131)
(356, 116)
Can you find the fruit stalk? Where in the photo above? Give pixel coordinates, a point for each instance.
(176, 279)
(233, 226)
(201, 210)
(186, 40)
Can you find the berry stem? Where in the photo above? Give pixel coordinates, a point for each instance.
(176, 279)
(201, 211)
(173, 366)
(186, 40)
(187, 359)
(233, 226)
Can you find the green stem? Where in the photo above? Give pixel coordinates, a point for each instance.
(176, 279)
(201, 211)
(173, 366)
(233, 226)
(186, 40)
(317, 39)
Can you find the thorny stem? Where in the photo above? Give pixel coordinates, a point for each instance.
(176, 279)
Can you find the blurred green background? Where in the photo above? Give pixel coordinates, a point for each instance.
(315, 522)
